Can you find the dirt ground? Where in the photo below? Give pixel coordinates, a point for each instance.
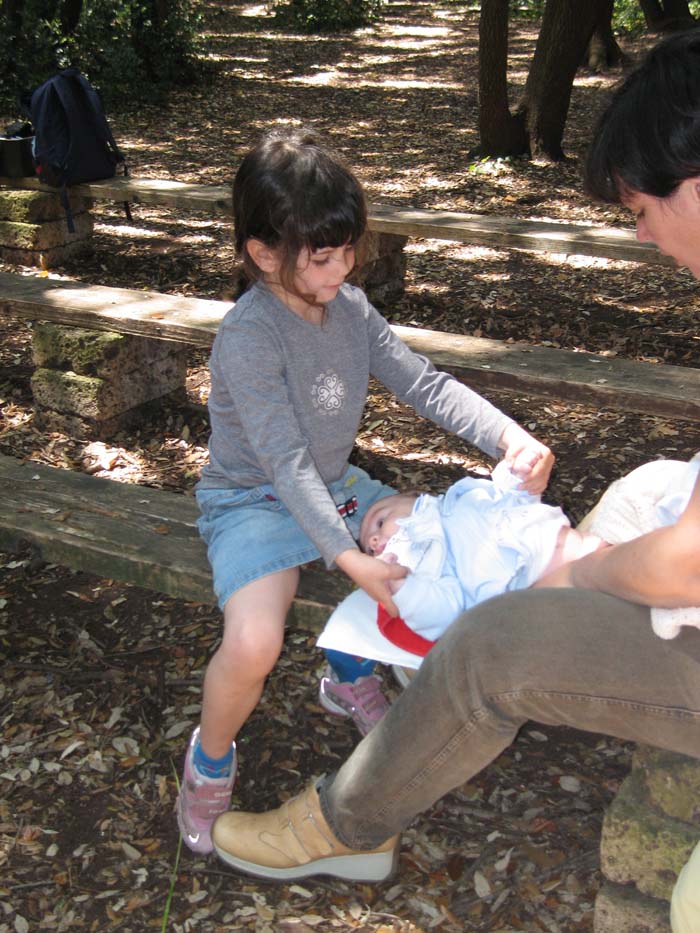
(102, 681)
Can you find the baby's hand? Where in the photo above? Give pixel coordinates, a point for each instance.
(529, 459)
(388, 557)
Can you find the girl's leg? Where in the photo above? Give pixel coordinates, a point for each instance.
(253, 635)
(253, 632)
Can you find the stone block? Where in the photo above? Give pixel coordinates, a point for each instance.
(99, 399)
(672, 782)
(44, 236)
(105, 428)
(97, 353)
(36, 207)
(47, 258)
(642, 845)
(381, 271)
(621, 909)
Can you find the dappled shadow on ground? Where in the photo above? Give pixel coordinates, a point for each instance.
(102, 682)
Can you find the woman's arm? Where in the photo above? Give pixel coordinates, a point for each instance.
(661, 568)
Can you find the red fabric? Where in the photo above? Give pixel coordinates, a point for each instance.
(398, 633)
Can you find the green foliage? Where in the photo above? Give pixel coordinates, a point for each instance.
(327, 15)
(527, 9)
(628, 17)
(121, 46)
(627, 14)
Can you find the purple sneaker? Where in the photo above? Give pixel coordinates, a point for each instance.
(362, 700)
(201, 800)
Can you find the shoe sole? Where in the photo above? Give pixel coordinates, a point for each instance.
(202, 844)
(379, 866)
(403, 675)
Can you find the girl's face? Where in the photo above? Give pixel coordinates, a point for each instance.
(319, 274)
(323, 271)
(672, 223)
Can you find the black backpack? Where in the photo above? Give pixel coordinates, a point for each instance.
(73, 142)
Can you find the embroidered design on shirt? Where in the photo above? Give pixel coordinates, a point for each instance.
(328, 392)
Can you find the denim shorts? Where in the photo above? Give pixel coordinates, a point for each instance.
(250, 534)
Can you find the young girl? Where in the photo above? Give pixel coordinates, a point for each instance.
(289, 370)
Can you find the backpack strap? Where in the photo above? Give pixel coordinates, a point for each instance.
(102, 128)
(65, 201)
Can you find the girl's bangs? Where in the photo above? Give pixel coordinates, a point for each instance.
(336, 228)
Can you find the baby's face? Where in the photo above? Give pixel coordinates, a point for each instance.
(380, 522)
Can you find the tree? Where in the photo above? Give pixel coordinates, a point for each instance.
(603, 50)
(572, 32)
(662, 15)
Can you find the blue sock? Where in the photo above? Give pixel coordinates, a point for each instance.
(348, 668)
(212, 767)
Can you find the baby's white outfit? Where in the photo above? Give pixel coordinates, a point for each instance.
(479, 539)
(482, 538)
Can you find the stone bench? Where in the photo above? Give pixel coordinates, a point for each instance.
(476, 229)
(649, 831)
(584, 378)
(135, 534)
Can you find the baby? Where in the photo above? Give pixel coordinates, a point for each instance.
(479, 539)
(486, 536)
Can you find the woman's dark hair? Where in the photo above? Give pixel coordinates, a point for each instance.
(648, 138)
(293, 194)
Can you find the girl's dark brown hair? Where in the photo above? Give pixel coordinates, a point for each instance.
(292, 193)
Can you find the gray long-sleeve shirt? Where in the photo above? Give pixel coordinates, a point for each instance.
(287, 397)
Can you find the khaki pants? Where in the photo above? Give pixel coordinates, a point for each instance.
(685, 901)
(555, 656)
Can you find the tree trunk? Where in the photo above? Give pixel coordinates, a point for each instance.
(603, 50)
(666, 15)
(70, 15)
(567, 27)
(500, 132)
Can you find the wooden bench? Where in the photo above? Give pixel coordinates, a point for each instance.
(134, 534)
(585, 378)
(476, 229)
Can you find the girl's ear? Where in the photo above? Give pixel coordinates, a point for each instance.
(265, 258)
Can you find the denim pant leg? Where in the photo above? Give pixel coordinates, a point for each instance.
(560, 657)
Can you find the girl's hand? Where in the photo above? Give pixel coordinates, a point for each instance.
(377, 578)
(527, 458)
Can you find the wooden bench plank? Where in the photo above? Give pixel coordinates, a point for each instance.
(135, 534)
(509, 233)
(477, 229)
(586, 378)
(98, 307)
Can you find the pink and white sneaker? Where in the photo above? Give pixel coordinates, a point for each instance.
(201, 800)
(363, 700)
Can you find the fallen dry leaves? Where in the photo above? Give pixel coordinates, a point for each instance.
(102, 682)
